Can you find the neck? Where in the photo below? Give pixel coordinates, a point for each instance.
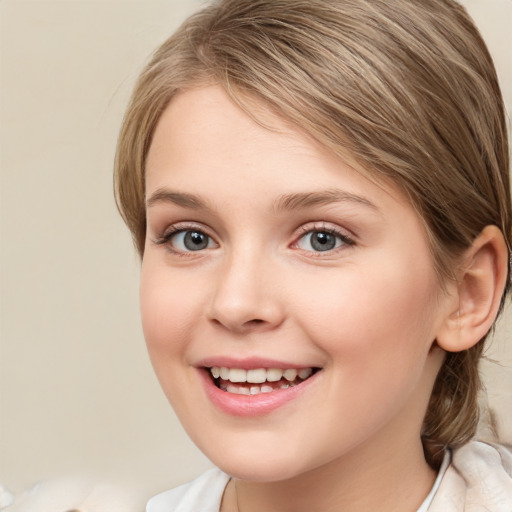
(361, 481)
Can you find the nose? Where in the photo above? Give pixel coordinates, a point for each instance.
(246, 297)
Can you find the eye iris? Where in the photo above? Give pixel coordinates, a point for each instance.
(195, 241)
(322, 241)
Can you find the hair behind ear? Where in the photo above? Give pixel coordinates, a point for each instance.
(453, 413)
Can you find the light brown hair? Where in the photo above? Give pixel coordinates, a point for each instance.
(406, 89)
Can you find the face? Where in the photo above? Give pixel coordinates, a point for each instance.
(289, 304)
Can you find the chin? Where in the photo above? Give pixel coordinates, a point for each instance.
(260, 465)
(259, 471)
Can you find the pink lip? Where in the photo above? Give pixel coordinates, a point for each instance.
(252, 405)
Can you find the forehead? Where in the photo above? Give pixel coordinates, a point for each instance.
(206, 120)
(203, 136)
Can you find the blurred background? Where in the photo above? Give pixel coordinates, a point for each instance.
(77, 392)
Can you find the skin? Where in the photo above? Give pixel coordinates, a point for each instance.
(367, 312)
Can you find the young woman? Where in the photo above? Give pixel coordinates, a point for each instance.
(319, 193)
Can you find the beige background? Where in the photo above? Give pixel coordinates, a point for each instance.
(76, 389)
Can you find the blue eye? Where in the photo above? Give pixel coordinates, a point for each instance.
(321, 241)
(191, 240)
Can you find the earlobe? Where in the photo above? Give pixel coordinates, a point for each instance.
(479, 288)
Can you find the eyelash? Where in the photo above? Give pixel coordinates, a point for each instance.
(346, 240)
(166, 237)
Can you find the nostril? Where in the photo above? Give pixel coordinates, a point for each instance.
(256, 323)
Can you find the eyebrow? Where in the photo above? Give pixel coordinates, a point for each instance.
(183, 199)
(286, 202)
(320, 198)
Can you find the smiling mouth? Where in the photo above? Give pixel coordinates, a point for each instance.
(259, 380)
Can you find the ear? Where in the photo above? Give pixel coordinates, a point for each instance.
(475, 301)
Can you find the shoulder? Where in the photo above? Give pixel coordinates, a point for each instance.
(479, 478)
(204, 493)
(495, 459)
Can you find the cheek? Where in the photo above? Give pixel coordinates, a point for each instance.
(378, 320)
(377, 330)
(169, 311)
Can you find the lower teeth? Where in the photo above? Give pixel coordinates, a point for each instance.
(254, 389)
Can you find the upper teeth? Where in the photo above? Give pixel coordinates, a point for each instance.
(259, 375)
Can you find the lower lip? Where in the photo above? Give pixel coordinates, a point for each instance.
(252, 405)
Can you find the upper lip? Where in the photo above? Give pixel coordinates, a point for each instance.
(250, 363)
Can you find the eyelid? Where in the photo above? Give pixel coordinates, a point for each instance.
(170, 231)
(347, 238)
